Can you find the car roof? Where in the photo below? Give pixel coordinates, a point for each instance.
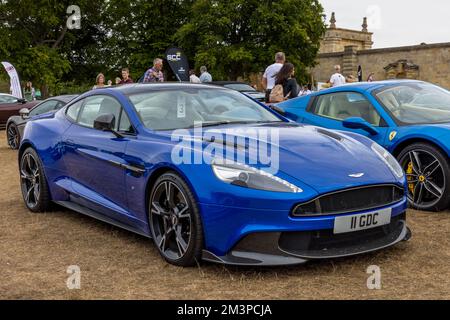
(368, 86)
(128, 89)
(64, 98)
(222, 83)
(8, 95)
(67, 97)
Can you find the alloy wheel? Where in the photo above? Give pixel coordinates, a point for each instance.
(12, 137)
(170, 216)
(426, 178)
(30, 180)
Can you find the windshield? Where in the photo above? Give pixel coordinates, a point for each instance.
(189, 107)
(242, 87)
(8, 99)
(417, 103)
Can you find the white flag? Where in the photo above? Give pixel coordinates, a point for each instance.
(15, 82)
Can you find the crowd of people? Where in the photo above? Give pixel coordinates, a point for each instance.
(152, 75)
(278, 80)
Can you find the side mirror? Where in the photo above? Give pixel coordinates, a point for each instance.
(24, 112)
(360, 123)
(106, 122)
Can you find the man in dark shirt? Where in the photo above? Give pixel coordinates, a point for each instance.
(126, 76)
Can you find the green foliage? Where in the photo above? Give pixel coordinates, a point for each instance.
(36, 40)
(141, 31)
(233, 38)
(237, 37)
(70, 88)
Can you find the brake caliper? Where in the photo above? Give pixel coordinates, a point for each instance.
(410, 171)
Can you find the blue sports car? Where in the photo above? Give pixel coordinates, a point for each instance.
(209, 173)
(409, 118)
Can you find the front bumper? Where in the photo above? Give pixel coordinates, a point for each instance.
(291, 248)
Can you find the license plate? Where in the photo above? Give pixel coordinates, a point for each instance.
(362, 221)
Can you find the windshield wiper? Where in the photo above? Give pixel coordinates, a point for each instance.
(217, 123)
(211, 124)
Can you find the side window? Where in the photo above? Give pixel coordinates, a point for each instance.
(8, 99)
(125, 124)
(73, 110)
(44, 107)
(98, 105)
(59, 105)
(344, 105)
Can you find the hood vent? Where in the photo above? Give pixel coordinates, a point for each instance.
(330, 134)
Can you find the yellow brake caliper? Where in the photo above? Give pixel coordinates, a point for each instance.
(410, 171)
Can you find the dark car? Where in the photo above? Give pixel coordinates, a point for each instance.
(243, 87)
(16, 124)
(10, 106)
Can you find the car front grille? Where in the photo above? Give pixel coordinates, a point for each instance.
(325, 244)
(351, 200)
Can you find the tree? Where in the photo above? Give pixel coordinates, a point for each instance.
(36, 39)
(238, 37)
(141, 30)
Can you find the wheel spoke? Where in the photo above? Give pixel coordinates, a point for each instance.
(158, 210)
(29, 163)
(418, 194)
(181, 243)
(25, 175)
(415, 160)
(162, 243)
(170, 194)
(29, 193)
(36, 192)
(183, 213)
(429, 170)
(433, 189)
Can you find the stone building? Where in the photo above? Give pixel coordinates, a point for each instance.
(353, 48)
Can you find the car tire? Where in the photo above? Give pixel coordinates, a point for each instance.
(419, 160)
(13, 136)
(33, 182)
(174, 220)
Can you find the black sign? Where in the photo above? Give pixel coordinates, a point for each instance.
(360, 74)
(178, 62)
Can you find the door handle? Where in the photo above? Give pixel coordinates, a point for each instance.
(135, 169)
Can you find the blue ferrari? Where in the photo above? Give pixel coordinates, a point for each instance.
(409, 118)
(210, 174)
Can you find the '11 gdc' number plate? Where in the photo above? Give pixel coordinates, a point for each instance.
(362, 221)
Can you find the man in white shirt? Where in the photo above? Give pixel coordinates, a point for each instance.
(268, 81)
(337, 79)
(205, 76)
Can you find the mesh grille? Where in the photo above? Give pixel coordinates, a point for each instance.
(351, 200)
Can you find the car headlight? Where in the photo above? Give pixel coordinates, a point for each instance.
(249, 177)
(389, 159)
